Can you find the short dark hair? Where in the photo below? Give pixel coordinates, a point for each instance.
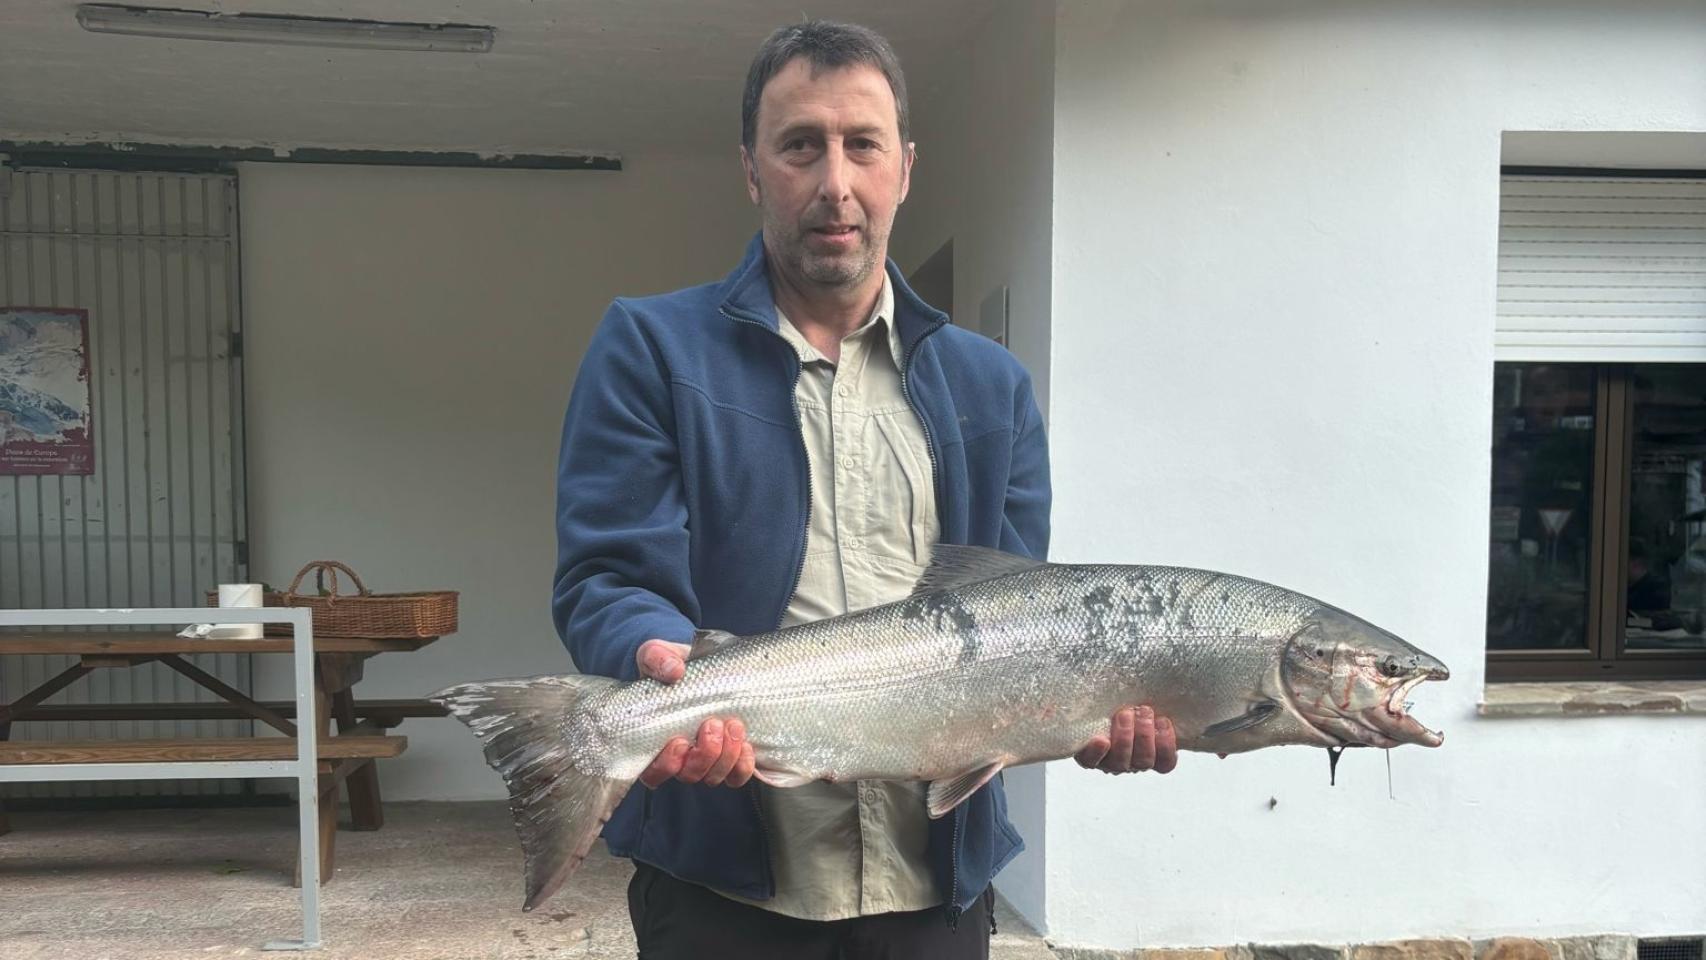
(824, 44)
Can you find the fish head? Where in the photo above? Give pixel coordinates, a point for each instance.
(1349, 679)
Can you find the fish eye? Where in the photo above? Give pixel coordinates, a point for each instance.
(1389, 667)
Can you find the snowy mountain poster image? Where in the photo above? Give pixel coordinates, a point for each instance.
(44, 392)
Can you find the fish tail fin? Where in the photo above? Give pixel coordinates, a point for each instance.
(558, 809)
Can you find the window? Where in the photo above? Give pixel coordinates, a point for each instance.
(1597, 528)
(1598, 522)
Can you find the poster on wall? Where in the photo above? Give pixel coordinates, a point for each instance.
(45, 408)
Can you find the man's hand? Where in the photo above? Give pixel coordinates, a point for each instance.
(1137, 741)
(719, 754)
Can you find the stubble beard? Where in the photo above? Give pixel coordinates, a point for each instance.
(837, 271)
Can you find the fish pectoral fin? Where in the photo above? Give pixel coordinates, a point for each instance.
(709, 641)
(949, 792)
(1258, 713)
(953, 565)
(782, 779)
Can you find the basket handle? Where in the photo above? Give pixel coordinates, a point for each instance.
(320, 568)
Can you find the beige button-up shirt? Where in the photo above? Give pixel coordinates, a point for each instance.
(848, 849)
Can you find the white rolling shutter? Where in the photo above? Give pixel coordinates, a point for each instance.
(1602, 269)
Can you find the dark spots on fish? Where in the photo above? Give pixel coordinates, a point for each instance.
(946, 612)
(1099, 600)
(1104, 606)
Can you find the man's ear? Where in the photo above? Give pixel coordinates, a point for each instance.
(907, 157)
(747, 165)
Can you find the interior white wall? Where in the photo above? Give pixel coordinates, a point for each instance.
(984, 174)
(1274, 251)
(412, 335)
(983, 178)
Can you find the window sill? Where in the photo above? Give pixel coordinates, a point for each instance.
(1588, 698)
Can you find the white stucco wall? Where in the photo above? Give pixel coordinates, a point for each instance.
(412, 336)
(985, 144)
(1273, 292)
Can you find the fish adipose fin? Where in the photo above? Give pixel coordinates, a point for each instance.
(558, 810)
(709, 641)
(949, 792)
(1257, 713)
(953, 566)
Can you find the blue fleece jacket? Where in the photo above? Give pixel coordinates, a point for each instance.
(682, 502)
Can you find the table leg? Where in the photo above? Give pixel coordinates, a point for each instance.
(366, 813)
(325, 681)
(5, 824)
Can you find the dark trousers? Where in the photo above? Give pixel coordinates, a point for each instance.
(677, 920)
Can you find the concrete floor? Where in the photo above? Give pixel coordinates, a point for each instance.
(441, 880)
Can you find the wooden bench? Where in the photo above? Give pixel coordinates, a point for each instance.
(380, 713)
(339, 757)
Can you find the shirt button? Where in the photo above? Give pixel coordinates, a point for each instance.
(847, 462)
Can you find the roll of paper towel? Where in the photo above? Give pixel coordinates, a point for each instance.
(240, 595)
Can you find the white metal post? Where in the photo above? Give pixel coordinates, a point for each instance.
(307, 732)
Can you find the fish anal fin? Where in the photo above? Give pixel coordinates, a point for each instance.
(1258, 713)
(781, 779)
(949, 792)
(709, 641)
(954, 565)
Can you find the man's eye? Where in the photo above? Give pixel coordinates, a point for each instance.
(864, 144)
(796, 144)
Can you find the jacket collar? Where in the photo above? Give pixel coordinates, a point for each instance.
(746, 296)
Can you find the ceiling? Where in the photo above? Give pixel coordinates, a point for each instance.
(608, 77)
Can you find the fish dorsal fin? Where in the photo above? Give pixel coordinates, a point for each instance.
(709, 641)
(949, 792)
(953, 565)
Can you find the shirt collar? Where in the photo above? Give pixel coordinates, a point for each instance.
(882, 315)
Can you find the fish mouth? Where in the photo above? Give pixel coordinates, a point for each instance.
(1393, 722)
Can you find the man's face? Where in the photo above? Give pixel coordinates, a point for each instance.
(828, 170)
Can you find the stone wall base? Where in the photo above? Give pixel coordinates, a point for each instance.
(1606, 947)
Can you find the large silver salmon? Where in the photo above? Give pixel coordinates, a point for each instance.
(993, 661)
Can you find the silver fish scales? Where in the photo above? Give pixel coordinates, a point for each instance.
(994, 661)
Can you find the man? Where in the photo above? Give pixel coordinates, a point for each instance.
(778, 447)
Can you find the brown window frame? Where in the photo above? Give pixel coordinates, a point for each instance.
(1606, 656)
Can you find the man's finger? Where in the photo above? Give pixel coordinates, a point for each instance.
(667, 763)
(734, 742)
(707, 747)
(1091, 756)
(661, 660)
(1124, 726)
(1166, 746)
(743, 767)
(1143, 740)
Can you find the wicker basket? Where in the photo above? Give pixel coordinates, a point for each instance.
(363, 614)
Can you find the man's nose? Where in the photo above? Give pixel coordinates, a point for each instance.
(833, 187)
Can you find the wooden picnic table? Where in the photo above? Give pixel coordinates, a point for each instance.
(347, 757)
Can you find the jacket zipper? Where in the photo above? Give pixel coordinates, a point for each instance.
(805, 528)
(954, 874)
(805, 455)
(936, 483)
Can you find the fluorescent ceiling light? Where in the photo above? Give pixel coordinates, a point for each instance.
(273, 28)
